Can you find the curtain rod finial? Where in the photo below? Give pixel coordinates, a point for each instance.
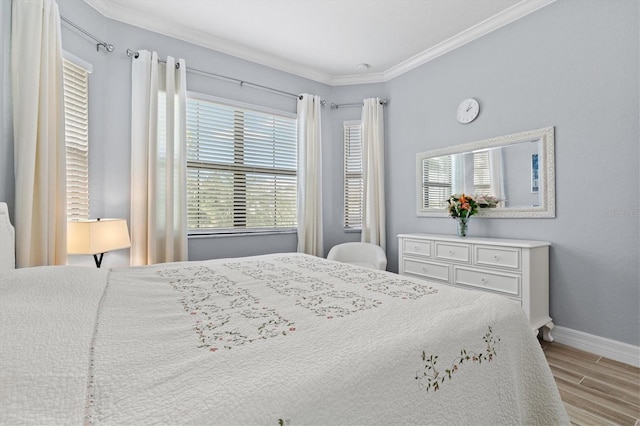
(107, 46)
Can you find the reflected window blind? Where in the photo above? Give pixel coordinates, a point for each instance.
(481, 175)
(76, 116)
(353, 180)
(436, 183)
(241, 169)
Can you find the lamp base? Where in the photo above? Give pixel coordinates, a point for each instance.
(98, 260)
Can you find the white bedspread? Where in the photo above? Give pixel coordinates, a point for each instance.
(284, 338)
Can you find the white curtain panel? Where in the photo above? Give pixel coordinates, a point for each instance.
(496, 176)
(309, 176)
(457, 174)
(158, 160)
(373, 212)
(38, 128)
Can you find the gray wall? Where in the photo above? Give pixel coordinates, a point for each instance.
(573, 65)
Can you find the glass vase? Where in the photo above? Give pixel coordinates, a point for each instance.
(463, 225)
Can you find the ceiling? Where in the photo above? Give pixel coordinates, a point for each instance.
(324, 40)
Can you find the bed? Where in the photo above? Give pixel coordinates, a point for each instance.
(283, 339)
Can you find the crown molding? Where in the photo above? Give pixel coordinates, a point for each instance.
(140, 20)
(503, 18)
(348, 80)
(116, 12)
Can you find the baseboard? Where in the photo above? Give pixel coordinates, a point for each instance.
(607, 348)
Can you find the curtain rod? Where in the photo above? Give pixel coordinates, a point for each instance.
(355, 104)
(107, 46)
(134, 54)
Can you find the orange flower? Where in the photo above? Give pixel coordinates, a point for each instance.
(463, 199)
(465, 206)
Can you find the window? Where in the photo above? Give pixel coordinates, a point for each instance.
(436, 184)
(438, 177)
(241, 168)
(353, 180)
(481, 173)
(76, 116)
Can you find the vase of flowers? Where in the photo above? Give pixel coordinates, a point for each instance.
(461, 208)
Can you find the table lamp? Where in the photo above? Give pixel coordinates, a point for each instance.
(97, 236)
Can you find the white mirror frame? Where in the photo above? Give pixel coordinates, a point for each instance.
(547, 191)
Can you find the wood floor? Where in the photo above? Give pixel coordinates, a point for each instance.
(595, 390)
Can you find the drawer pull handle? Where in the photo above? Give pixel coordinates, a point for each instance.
(425, 270)
(484, 280)
(451, 252)
(417, 248)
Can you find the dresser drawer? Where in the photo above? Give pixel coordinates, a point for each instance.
(503, 257)
(508, 284)
(452, 252)
(417, 247)
(435, 271)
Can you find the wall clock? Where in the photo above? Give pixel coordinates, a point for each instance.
(468, 110)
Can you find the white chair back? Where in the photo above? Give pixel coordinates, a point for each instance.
(361, 254)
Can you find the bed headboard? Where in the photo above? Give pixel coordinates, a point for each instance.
(7, 240)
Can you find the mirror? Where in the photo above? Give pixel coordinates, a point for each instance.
(510, 176)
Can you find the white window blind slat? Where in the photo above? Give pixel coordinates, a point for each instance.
(76, 112)
(436, 183)
(353, 180)
(241, 169)
(481, 173)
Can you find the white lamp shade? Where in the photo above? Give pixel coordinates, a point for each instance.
(97, 236)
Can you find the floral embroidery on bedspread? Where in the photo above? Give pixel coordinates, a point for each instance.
(225, 315)
(313, 264)
(260, 269)
(314, 294)
(432, 378)
(380, 283)
(373, 280)
(321, 298)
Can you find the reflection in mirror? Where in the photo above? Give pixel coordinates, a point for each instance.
(510, 176)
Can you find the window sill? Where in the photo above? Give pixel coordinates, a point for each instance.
(240, 234)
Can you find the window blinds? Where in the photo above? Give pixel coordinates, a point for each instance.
(76, 114)
(353, 180)
(436, 184)
(241, 169)
(481, 173)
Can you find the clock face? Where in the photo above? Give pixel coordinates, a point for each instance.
(468, 111)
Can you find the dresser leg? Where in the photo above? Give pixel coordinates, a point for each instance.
(546, 332)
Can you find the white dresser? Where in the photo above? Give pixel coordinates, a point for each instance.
(517, 269)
